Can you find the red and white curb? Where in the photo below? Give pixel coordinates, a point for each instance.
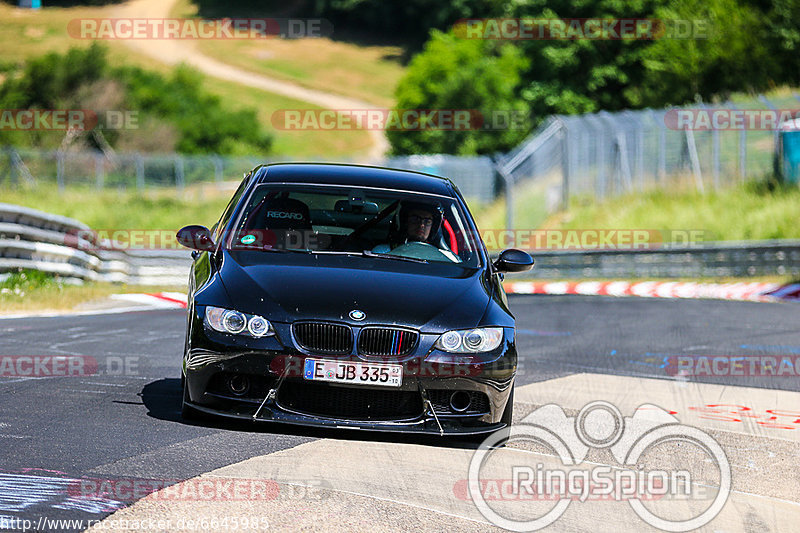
(129, 303)
(159, 300)
(755, 291)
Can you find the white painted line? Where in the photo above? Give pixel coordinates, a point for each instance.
(152, 300)
(56, 314)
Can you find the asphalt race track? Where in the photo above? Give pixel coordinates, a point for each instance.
(122, 423)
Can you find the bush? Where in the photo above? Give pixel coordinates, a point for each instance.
(168, 107)
(453, 73)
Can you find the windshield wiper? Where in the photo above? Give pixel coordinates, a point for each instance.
(334, 252)
(285, 250)
(369, 253)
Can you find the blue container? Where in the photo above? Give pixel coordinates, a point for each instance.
(791, 156)
(32, 4)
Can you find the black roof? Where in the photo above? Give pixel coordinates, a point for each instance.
(355, 175)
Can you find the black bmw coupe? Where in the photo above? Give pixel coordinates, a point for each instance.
(349, 296)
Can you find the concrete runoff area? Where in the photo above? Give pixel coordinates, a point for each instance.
(120, 424)
(338, 485)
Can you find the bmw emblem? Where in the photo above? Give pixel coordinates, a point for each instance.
(355, 314)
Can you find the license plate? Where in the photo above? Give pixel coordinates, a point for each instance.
(353, 372)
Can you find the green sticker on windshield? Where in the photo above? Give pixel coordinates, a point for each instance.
(248, 239)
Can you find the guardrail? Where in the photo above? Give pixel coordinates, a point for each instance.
(709, 260)
(36, 240)
(50, 243)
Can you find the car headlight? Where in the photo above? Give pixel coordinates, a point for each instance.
(230, 321)
(476, 340)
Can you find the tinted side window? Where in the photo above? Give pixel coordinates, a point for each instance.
(226, 215)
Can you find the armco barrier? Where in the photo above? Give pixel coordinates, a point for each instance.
(41, 241)
(709, 260)
(50, 243)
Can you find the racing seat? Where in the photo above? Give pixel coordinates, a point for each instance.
(287, 221)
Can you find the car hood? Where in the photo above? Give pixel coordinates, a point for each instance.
(291, 287)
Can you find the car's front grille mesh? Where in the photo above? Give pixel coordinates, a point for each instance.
(323, 337)
(440, 399)
(386, 341)
(321, 399)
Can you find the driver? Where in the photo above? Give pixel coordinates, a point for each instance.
(419, 222)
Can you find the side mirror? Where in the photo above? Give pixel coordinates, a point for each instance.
(512, 260)
(196, 238)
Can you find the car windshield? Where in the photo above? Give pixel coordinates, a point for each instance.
(374, 223)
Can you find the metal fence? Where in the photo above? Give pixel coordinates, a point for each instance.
(62, 169)
(605, 154)
(599, 154)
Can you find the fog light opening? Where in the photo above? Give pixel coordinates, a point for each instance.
(239, 385)
(460, 401)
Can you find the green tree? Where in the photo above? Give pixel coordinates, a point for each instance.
(583, 75)
(783, 39)
(458, 74)
(734, 56)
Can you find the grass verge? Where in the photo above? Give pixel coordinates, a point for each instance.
(368, 73)
(755, 210)
(32, 291)
(530, 208)
(128, 209)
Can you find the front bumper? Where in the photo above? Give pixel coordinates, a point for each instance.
(276, 371)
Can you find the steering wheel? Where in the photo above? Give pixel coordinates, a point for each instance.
(420, 250)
